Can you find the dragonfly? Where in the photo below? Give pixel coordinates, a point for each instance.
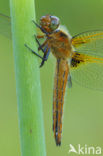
(78, 59)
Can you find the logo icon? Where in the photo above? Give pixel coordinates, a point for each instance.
(72, 149)
(90, 150)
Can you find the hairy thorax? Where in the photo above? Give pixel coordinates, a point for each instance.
(60, 44)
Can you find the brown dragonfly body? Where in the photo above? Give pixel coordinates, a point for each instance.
(60, 44)
(62, 47)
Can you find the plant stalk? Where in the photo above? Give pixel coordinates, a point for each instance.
(27, 79)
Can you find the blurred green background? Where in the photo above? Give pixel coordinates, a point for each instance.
(83, 110)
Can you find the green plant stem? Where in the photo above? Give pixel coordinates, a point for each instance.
(27, 79)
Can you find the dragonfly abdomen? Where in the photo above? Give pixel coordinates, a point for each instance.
(60, 80)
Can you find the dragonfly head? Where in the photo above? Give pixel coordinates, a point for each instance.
(49, 23)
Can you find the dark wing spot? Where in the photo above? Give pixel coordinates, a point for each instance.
(76, 61)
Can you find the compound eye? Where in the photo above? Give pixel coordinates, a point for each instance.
(54, 22)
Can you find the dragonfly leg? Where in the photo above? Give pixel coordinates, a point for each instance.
(40, 45)
(44, 58)
(33, 51)
(46, 54)
(40, 36)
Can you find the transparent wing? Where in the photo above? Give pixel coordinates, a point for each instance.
(87, 63)
(90, 42)
(5, 26)
(89, 75)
